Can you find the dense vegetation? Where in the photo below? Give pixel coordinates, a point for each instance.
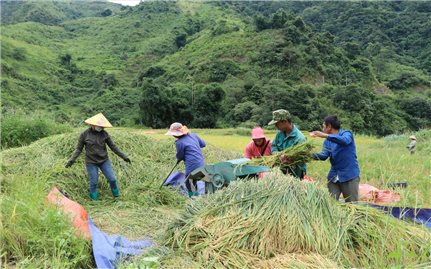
(221, 64)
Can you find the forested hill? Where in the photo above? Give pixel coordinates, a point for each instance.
(211, 64)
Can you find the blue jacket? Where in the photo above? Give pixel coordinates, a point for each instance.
(189, 150)
(340, 148)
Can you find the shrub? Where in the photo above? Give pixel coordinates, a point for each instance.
(19, 130)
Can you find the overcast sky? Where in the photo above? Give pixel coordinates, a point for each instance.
(126, 2)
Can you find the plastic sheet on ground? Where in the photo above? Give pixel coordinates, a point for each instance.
(77, 213)
(419, 215)
(176, 178)
(108, 250)
(372, 194)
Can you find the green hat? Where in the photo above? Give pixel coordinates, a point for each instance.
(279, 115)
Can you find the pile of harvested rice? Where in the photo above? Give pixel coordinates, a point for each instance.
(296, 155)
(251, 223)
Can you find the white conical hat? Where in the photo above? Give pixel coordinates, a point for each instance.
(99, 120)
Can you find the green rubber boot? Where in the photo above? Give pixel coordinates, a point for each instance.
(93, 196)
(115, 192)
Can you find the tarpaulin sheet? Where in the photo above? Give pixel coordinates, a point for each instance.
(175, 179)
(76, 212)
(419, 215)
(109, 249)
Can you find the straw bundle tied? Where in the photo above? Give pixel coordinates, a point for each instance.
(297, 155)
(251, 224)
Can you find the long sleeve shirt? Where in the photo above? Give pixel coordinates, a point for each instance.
(283, 141)
(189, 150)
(95, 147)
(340, 148)
(253, 151)
(412, 146)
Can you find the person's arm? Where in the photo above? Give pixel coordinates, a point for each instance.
(274, 148)
(202, 143)
(247, 153)
(77, 151)
(324, 154)
(180, 151)
(115, 149)
(345, 139)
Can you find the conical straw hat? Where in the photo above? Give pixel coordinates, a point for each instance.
(99, 120)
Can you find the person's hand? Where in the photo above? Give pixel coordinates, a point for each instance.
(68, 164)
(284, 159)
(318, 134)
(127, 160)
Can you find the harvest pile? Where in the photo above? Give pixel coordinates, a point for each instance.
(253, 224)
(298, 154)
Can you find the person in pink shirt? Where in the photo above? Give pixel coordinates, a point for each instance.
(260, 146)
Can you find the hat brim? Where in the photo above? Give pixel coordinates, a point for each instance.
(99, 125)
(273, 122)
(175, 133)
(258, 137)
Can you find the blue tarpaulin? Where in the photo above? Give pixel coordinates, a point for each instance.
(109, 249)
(419, 215)
(176, 178)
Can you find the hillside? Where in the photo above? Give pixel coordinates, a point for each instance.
(220, 64)
(53, 12)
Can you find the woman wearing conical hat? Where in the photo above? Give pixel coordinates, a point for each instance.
(412, 145)
(95, 139)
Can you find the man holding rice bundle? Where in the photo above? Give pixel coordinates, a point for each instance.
(340, 148)
(95, 140)
(288, 135)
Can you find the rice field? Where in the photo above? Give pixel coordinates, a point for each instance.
(190, 234)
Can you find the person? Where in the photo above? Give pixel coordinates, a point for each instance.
(412, 145)
(95, 139)
(189, 149)
(339, 146)
(259, 146)
(288, 135)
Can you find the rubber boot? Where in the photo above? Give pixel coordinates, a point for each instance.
(93, 196)
(115, 192)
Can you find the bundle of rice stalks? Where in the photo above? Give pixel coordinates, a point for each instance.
(250, 222)
(297, 155)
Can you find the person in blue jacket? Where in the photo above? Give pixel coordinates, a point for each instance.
(189, 149)
(340, 148)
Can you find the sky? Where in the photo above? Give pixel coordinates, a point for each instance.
(126, 2)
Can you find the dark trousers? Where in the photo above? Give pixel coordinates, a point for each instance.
(349, 189)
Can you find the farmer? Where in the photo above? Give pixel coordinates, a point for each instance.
(95, 140)
(189, 150)
(259, 146)
(288, 135)
(412, 145)
(340, 148)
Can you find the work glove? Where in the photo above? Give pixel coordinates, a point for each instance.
(127, 160)
(68, 164)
